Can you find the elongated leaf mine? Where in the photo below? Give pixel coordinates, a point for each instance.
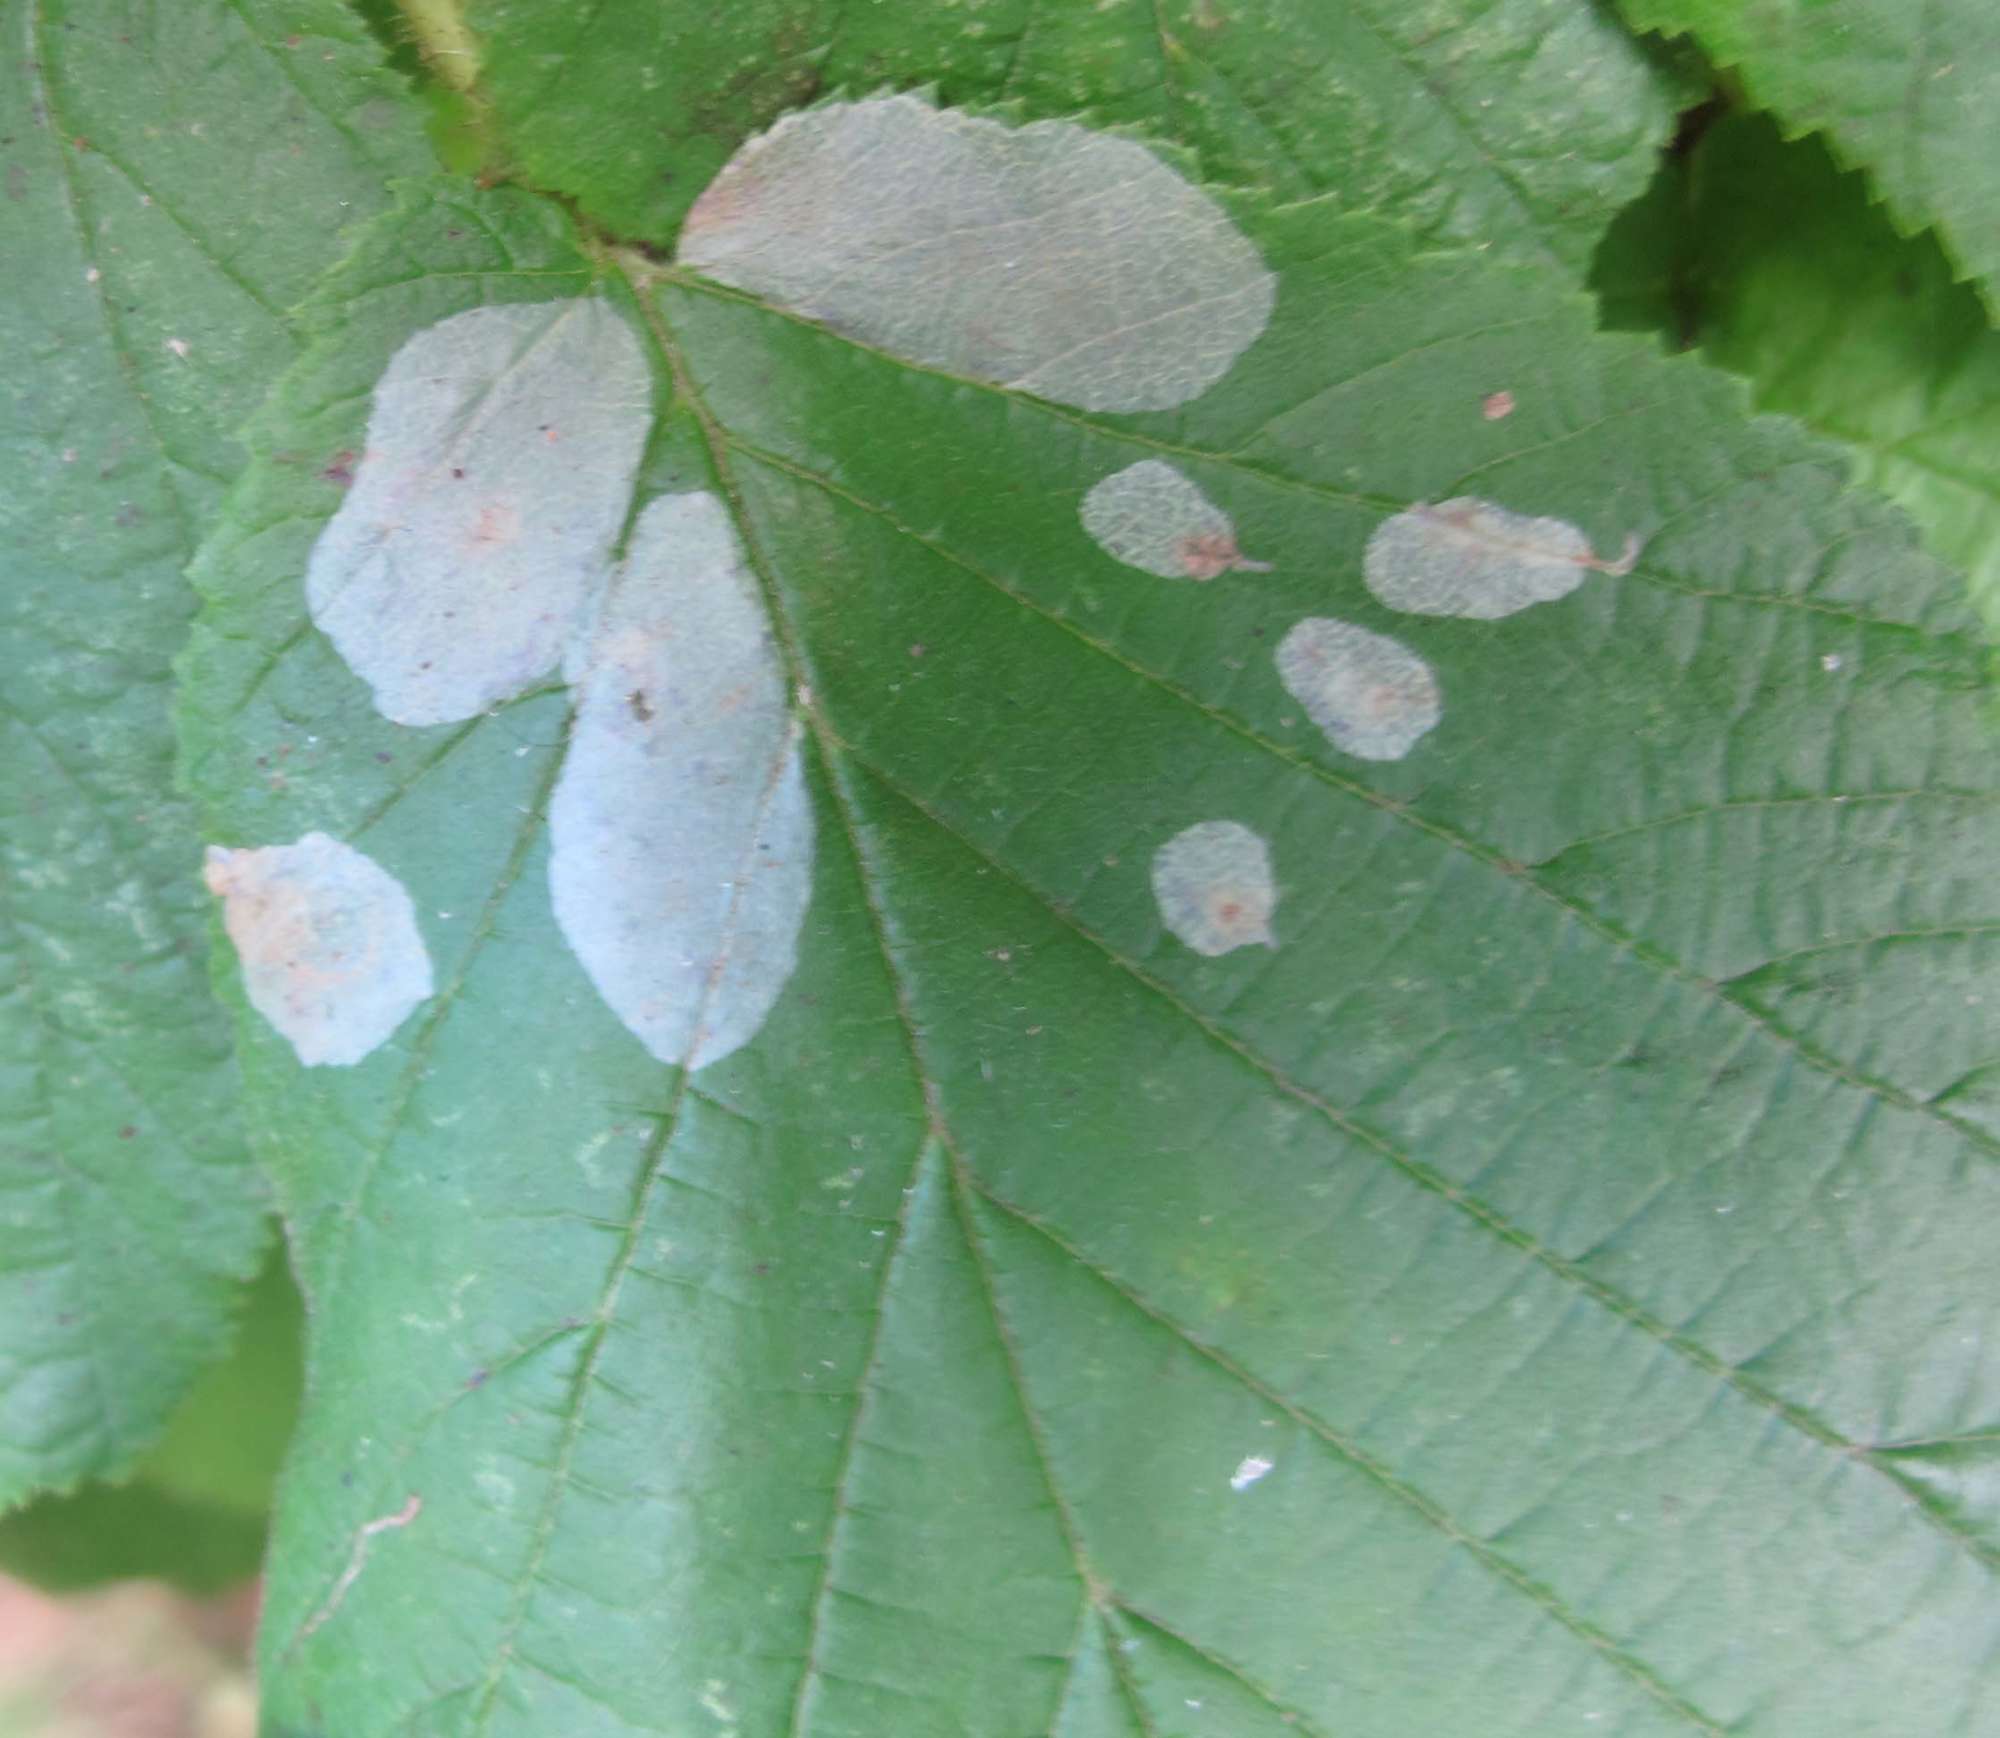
(1152, 517)
(497, 473)
(1048, 258)
(328, 944)
(1467, 557)
(681, 826)
(1372, 696)
(1213, 883)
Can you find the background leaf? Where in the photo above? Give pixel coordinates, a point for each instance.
(196, 1509)
(1778, 265)
(173, 181)
(1523, 127)
(1579, 1248)
(1903, 91)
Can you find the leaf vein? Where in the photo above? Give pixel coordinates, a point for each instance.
(433, 1022)
(812, 1666)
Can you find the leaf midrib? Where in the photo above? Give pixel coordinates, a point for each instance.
(1094, 1589)
(650, 1169)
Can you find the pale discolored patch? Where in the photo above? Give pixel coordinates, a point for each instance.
(1467, 557)
(1048, 258)
(1213, 883)
(1151, 517)
(681, 825)
(1373, 696)
(328, 942)
(497, 472)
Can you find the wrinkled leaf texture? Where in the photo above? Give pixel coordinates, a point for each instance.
(1904, 92)
(174, 180)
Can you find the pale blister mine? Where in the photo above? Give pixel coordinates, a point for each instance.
(1373, 697)
(497, 472)
(1153, 517)
(328, 943)
(1047, 258)
(1467, 557)
(1214, 887)
(681, 827)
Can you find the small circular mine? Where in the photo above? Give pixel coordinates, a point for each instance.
(1214, 887)
(1373, 696)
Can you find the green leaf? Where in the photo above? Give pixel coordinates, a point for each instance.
(156, 167)
(195, 1510)
(1501, 1306)
(1523, 127)
(140, 1530)
(1778, 264)
(1903, 91)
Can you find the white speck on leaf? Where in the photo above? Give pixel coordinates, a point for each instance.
(1214, 887)
(681, 826)
(496, 474)
(1372, 696)
(714, 1694)
(1467, 557)
(1152, 517)
(328, 943)
(1248, 1471)
(179, 346)
(1048, 258)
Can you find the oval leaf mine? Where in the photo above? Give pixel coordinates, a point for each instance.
(1467, 557)
(1372, 696)
(1048, 258)
(681, 826)
(328, 943)
(1213, 883)
(497, 472)
(1152, 517)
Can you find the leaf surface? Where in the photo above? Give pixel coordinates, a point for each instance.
(1523, 125)
(156, 167)
(196, 1509)
(1905, 92)
(1778, 265)
(1494, 1308)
